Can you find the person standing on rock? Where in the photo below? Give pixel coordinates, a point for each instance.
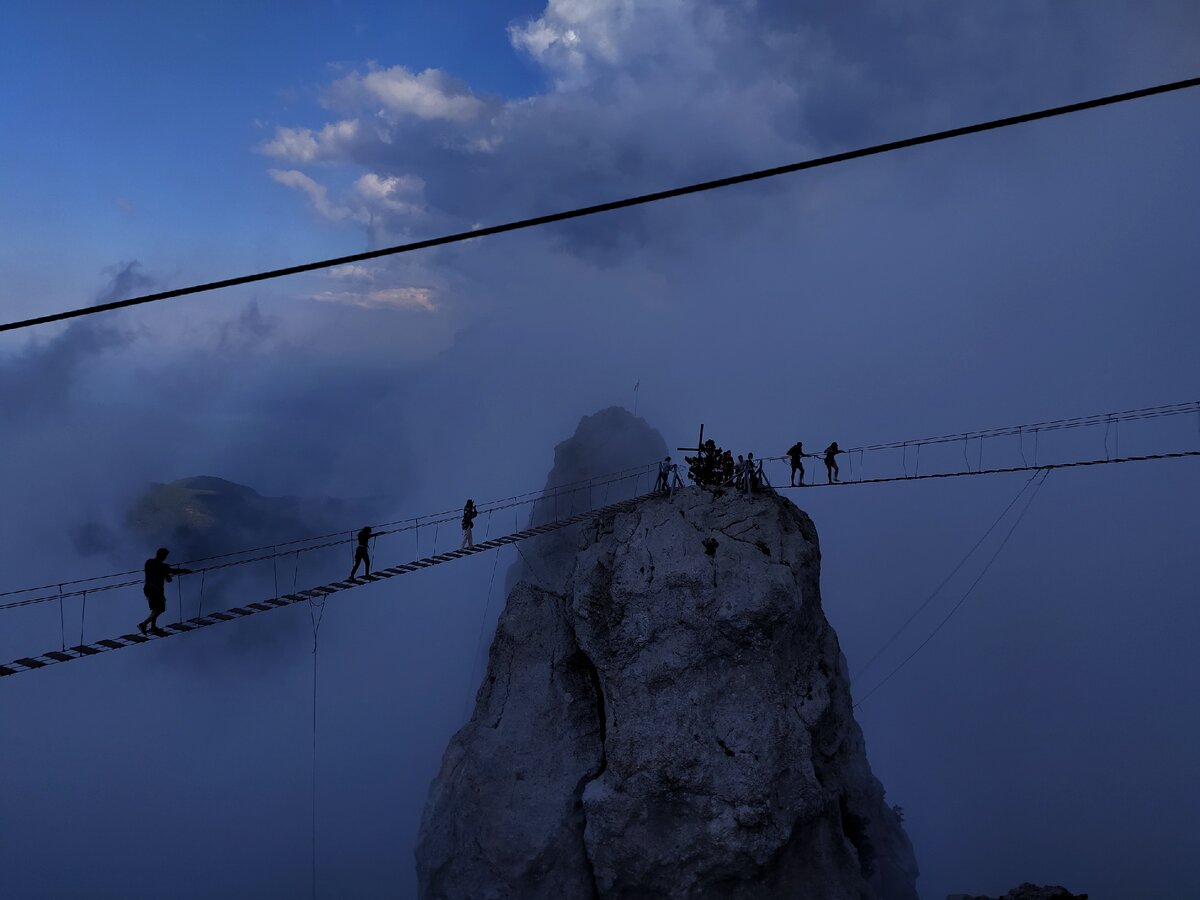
(796, 455)
(751, 475)
(831, 466)
(158, 573)
(468, 519)
(362, 551)
(664, 469)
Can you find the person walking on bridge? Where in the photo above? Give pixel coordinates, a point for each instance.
(468, 519)
(796, 455)
(362, 553)
(831, 466)
(158, 573)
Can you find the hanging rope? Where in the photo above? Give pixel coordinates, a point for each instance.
(482, 624)
(200, 609)
(316, 612)
(61, 620)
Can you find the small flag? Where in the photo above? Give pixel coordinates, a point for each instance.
(638, 385)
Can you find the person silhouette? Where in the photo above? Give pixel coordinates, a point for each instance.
(751, 476)
(739, 472)
(664, 469)
(796, 455)
(469, 514)
(831, 466)
(158, 573)
(362, 552)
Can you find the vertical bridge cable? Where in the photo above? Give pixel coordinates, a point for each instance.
(61, 620)
(82, 617)
(482, 624)
(1045, 473)
(315, 618)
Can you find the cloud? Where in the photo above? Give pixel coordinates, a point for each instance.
(317, 193)
(400, 298)
(399, 93)
(40, 381)
(335, 142)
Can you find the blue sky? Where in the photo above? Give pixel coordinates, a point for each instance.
(1024, 275)
(133, 127)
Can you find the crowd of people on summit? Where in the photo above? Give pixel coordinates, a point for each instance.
(714, 467)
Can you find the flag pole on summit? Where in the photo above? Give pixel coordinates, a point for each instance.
(635, 395)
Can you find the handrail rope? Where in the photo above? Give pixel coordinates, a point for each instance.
(1140, 413)
(1130, 415)
(450, 516)
(1001, 471)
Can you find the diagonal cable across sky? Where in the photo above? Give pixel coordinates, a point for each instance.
(612, 205)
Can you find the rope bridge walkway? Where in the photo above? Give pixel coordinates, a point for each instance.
(319, 593)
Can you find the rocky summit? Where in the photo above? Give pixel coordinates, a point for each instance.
(666, 713)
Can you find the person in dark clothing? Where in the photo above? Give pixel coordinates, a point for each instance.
(664, 469)
(831, 466)
(362, 552)
(796, 455)
(468, 519)
(158, 573)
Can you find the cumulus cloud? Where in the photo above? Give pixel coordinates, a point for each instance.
(399, 93)
(335, 142)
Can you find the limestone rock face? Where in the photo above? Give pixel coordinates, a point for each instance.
(664, 716)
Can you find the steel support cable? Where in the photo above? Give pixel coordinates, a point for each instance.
(612, 205)
(1001, 471)
(937, 590)
(997, 471)
(417, 522)
(487, 603)
(1132, 415)
(447, 516)
(1149, 412)
(1028, 503)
